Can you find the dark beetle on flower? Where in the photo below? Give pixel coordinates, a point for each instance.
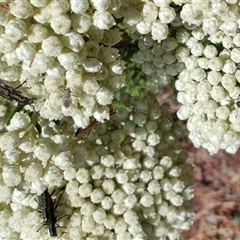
(11, 93)
(67, 100)
(47, 207)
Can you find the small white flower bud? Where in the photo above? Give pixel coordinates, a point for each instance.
(91, 86)
(33, 171)
(166, 14)
(11, 156)
(154, 112)
(159, 31)
(130, 163)
(110, 221)
(63, 160)
(75, 219)
(108, 186)
(211, 25)
(235, 55)
(229, 27)
(6, 45)
(214, 77)
(158, 172)
(107, 160)
(21, 9)
(177, 185)
(229, 67)
(103, 20)
(43, 151)
(71, 61)
(53, 176)
(130, 217)
(99, 215)
(118, 196)
(166, 184)
(79, 7)
(129, 188)
(223, 112)
(85, 190)
(83, 175)
(174, 172)
(146, 200)
(154, 187)
(143, 27)
(185, 111)
(137, 230)
(175, 199)
(96, 172)
(99, 230)
(41, 62)
(110, 172)
(215, 64)
(15, 29)
(88, 224)
(107, 203)
(5, 196)
(132, 16)
(104, 96)
(197, 49)
(153, 139)
(145, 176)
(81, 23)
(37, 33)
(19, 121)
(8, 141)
(73, 41)
(88, 208)
(69, 173)
(121, 177)
(182, 36)
(218, 93)
(118, 208)
(39, 3)
(210, 51)
(100, 5)
(203, 62)
(97, 195)
(51, 43)
(130, 201)
(139, 145)
(60, 24)
(121, 226)
(11, 176)
(25, 51)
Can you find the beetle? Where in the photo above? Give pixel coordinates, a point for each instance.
(11, 93)
(47, 207)
(67, 100)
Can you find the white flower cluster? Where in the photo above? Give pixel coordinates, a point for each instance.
(136, 182)
(127, 180)
(202, 45)
(161, 61)
(57, 45)
(209, 88)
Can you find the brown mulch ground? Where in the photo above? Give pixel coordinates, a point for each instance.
(217, 195)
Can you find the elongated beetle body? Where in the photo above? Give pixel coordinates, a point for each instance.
(67, 99)
(11, 93)
(48, 207)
